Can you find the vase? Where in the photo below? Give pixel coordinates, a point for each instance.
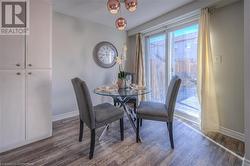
(121, 83)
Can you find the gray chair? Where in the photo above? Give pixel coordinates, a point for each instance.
(159, 111)
(94, 116)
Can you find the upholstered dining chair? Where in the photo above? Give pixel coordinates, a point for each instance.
(94, 116)
(159, 111)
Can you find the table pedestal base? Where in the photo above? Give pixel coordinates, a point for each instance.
(129, 112)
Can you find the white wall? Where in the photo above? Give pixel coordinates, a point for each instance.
(247, 79)
(73, 44)
(227, 31)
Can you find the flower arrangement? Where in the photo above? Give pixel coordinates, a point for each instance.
(120, 60)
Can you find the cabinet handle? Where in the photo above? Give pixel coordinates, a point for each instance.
(17, 64)
(29, 73)
(18, 73)
(30, 65)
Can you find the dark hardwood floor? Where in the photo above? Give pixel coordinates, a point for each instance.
(63, 148)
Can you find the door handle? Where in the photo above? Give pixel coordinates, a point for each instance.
(29, 73)
(30, 65)
(18, 65)
(18, 73)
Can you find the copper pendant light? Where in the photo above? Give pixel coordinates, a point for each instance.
(131, 5)
(113, 6)
(120, 23)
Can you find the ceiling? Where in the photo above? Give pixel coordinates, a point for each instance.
(96, 10)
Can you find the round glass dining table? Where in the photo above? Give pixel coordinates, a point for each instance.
(122, 93)
(123, 96)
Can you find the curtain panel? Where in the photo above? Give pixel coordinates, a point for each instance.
(139, 63)
(206, 81)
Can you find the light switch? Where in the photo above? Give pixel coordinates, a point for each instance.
(218, 60)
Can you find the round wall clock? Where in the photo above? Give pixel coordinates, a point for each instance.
(105, 54)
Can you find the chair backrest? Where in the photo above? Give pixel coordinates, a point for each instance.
(172, 93)
(84, 102)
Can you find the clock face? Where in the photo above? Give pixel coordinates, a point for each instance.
(105, 54)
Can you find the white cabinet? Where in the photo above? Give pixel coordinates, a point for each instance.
(39, 39)
(12, 108)
(38, 101)
(25, 104)
(12, 52)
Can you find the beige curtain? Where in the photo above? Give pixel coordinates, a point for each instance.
(139, 63)
(206, 84)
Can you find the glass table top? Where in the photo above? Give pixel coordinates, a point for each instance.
(127, 92)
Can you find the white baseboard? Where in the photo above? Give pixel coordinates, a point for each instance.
(232, 133)
(246, 162)
(65, 115)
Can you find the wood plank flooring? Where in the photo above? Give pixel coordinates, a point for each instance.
(191, 149)
(232, 144)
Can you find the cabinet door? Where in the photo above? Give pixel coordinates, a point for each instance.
(39, 39)
(38, 104)
(12, 108)
(12, 52)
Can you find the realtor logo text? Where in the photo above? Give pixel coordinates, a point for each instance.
(14, 17)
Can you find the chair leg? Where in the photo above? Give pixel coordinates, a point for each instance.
(140, 122)
(135, 107)
(81, 130)
(137, 130)
(92, 144)
(121, 129)
(170, 131)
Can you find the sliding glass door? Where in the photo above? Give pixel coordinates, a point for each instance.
(156, 66)
(174, 52)
(183, 44)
